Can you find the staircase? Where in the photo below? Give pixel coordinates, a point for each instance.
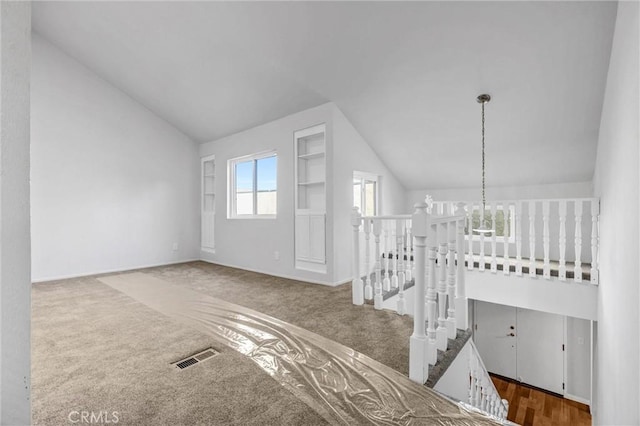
(416, 264)
(424, 246)
(444, 358)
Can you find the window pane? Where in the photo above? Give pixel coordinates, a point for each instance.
(369, 198)
(267, 185)
(357, 195)
(244, 187)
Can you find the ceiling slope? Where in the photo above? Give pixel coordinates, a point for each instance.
(405, 73)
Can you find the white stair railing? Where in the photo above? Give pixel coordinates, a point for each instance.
(482, 392)
(552, 232)
(436, 241)
(428, 248)
(400, 255)
(391, 251)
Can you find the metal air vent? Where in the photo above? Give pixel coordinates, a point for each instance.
(195, 359)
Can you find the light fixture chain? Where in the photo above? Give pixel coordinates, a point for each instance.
(483, 195)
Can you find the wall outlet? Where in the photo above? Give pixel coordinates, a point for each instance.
(276, 255)
(175, 247)
(580, 341)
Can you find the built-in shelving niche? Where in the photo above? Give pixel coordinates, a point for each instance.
(310, 212)
(208, 203)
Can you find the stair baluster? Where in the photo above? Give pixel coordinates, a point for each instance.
(452, 230)
(377, 299)
(394, 255)
(505, 240)
(386, 283)
(532, 239)
(546, 239)
(400, 269)
(461, 292)
(357, 292)
(470, 234)
(409, 252)
(368, 289)
(432, 244)
(562, 240)
(595, 216)
(441, 335)
(494, 261)
(519, 238)
(577, 270)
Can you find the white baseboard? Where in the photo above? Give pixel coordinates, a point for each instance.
(577, 399)
(289, 277)
(111, 271)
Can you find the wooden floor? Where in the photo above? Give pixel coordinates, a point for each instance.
(529, 406)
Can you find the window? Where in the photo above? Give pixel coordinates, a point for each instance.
(365, 193)
(253, 186)
(505, 224)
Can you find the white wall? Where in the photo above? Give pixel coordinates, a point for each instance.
(556, 190)
(553, 296)
(251, 243)
(15, 282)
(352, 153)
(113, 185)
(455, 381)
(616, 181)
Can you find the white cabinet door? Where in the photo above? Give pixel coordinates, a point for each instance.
(540, 356)
(495, 337)
(317, 238)
(303, 248)
(208, 220)
(310, 237)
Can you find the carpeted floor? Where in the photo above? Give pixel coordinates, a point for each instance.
(382, 335)
(99, 351)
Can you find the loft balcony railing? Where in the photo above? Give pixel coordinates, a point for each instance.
(548, 237)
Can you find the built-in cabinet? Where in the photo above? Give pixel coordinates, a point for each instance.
(208, 202)
(310, 198)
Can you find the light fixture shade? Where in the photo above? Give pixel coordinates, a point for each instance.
(486, 227)
(484, 230)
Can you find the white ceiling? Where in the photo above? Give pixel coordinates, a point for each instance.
(405, 73)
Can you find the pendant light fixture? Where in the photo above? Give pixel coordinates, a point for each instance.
(486, 227)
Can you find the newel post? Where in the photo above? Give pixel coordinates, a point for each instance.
(357, 290)
(418, 363)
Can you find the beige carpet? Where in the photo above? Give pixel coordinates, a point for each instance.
(97, 350)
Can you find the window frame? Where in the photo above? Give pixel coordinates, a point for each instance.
(231, 187)
(499, 238)
(370, 177)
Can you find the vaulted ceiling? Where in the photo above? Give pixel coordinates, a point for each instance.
(406, 74)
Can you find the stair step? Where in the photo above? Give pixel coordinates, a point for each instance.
(445, 358)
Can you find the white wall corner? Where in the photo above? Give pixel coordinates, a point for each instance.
(15, 245)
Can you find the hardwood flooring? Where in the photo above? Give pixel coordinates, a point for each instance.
(530, 406)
